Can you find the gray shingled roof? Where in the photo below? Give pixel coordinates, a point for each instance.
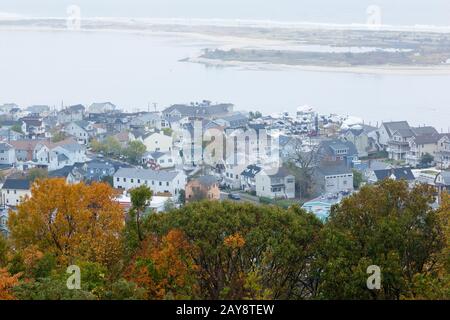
(17, 184)
(146, 174)
(333, 170)
(399, 173)
(391, 127)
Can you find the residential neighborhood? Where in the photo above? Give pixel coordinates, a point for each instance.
(262, 159)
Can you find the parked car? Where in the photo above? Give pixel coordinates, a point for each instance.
(234, 196)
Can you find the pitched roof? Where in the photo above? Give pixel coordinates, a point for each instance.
(424, 130)
(333, 170)
(445, 177)
(427, 139)
(399, 174)
(17, 184)
(146, 174)
(395, 125)
(404, 133)
(63, 172)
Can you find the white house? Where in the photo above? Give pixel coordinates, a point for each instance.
(14, 191)
(279, 184)
(158, 160)
(161, 182)
(82, 131)
(7, 154)
(153, 141)
(55, 156)
(443, 151)
(334, 179)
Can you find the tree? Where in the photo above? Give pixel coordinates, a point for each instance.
(140, 199)
(426, 159)
(386, 225)
(246, 251)
(167, 131)
(7, 283)
(302, 167)
(17, 128)
(357, 179)
(71, 222)
(37, 173)
(112, 146)
(58, 136)
(135, 151)
(165, 267)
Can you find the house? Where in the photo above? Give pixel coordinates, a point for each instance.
(387, 129)
(33, 127)
(359, 135)
(161, 182)
(24, 149)
(82, 130)
(443, 151)
(398, 145)
(392, 173)
(14, 191)
(6, 134)
(71, 114)
(274, 185)
(248, 181)
(421, 145)
(39, 110)
(103, 107)
(337, 151)
(153, 141)
(332, 179)
(97, 170)
(7, 154)
(148, 120)
(158, 160)
(442, 182)
(200, 110)
(54, 156)
(204, 187)
(70, 173)
(233, 121)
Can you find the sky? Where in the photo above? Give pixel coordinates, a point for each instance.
(395, 12)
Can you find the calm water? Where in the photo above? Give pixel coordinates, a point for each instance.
(134, 70)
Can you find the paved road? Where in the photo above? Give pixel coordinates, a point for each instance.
(244, 197)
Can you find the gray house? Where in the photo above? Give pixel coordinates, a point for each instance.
(333, 179)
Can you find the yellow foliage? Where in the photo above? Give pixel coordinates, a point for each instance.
(70, 221)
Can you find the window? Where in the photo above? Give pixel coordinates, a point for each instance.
(167, 184)
(160, 183)
(124, 179)
(132, 180)
(139, 180)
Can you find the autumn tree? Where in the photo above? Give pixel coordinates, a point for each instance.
(386, 225)
(71, 222)
(246, 251)
(7, 283)
(165, 267)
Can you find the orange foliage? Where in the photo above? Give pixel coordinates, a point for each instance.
(7, 282)
(71, 221)
(235, 241)
(165, 267)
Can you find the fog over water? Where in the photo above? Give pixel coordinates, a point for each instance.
(134, 70)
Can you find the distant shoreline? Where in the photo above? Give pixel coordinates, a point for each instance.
(376, 70)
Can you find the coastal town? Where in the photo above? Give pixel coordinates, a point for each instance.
(282, 159)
